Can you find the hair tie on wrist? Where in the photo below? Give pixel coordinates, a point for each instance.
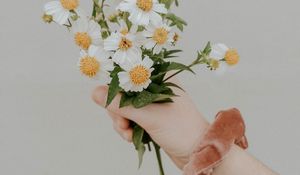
(228, 129)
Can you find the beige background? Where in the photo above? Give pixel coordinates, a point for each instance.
(50, 126)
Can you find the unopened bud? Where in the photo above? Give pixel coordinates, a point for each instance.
(47, 18)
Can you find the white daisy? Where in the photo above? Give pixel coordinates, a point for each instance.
(158, 36)
(126, 46)
(61, 10)
(137, 75)
(95, 63)
(222, 52)
(86, 32)
(142, 12)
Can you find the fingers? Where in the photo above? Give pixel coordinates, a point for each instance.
(139, 116)
(122, 126)
(120, 121)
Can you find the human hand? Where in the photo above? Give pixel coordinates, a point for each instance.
(175, 127)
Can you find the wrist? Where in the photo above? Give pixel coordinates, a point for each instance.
(193, 135)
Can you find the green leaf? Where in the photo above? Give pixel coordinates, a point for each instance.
(159, 72)
(162, 97)
(170, 53)
(173, 85)
(143, 99)
(166, 100)
(167, 3)
(125, 100)
(138, 135)
(156, 89)
(179, 66)
(207, 49)
(176, 21)
(113, 89)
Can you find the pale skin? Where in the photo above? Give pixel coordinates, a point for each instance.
(176, 127)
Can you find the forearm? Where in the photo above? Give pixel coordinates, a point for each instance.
(239, 162)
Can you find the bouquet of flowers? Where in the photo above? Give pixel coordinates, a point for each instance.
(131, 51)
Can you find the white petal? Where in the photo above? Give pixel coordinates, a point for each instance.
(93, 28)
(94, 32)
(123, 77)
(134, 55)
(218, 51)
(149, 44)
(112, 42)
(53, 7)
(61, 17)
(147, 34)
(92, 50)
(155, 18)
(157, 48)
(83, 53)
(139, 39)
(80, 25)
(145, 19)
(108, 65)
(119, 57)
(124, 6)
(147, 62)
(220, 47)
(137, 88)
(81, 13)
(102, 54)
(160, 8)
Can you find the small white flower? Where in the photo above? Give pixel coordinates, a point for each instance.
(137, 75)
(222, 52)
(86, 32)
(61, 10)
(126, 46)
(142, 12)
(95, 63)
(225, 56)
(158, 36)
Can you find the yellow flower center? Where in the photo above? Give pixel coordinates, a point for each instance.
(69, 4)
(47, 18)
(124, 31)
(125, 44)
(139, 75)
(214, 64)
(83, 40)
(160, 35)
(145, 5)
(89, 66)
(232, 57)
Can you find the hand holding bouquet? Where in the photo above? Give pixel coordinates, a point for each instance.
(131, 51)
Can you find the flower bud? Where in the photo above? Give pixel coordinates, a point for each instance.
(214, 64)
(47, 18)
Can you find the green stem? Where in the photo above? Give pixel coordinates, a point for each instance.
(102, 22)
(200, 60)
(191, 65)
(158, 155)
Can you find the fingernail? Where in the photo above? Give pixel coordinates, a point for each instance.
(99, 95)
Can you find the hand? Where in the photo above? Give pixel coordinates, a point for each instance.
(176, 127)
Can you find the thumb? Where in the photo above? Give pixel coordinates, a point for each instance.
(142, 116)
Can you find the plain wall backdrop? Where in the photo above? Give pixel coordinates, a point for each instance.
(50, 126)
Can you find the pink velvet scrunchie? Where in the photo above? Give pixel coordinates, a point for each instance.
(227, 130)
